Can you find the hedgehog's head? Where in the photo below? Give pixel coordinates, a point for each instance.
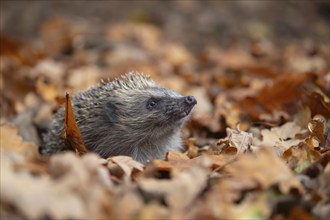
(148, 110)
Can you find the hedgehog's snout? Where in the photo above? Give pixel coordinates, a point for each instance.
(190, 100)
(189, 103)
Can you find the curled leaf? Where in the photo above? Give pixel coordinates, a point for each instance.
(72, 136)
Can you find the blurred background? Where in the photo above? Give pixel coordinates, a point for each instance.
(191, 22)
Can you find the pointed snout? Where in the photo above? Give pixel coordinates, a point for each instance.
(190, 100)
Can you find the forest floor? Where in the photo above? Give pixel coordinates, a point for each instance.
(257, 145)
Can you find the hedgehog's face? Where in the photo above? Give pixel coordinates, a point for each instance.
(157, 111)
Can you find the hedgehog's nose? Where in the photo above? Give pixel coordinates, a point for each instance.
(190, 100)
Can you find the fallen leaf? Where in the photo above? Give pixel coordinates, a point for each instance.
(282, 94)
(72, 136)
(299, 157)
(126, 164)
(264, 169)
(236, 142)
(319, 104)
(316, 126)
(178, 192)
(280, 138)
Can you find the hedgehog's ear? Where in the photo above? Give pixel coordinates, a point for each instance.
(110, 111)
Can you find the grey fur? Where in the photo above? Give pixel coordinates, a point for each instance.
(116, 118)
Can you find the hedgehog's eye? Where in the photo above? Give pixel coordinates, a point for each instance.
(151, 104)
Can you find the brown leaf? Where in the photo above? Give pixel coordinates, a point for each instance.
(317, 103)
(299, 157)
(127, 167)
(180, 191)
(282, 94)
(237, 141)
(316, 127)
(264, 169)
(280, 138)
(72, 137)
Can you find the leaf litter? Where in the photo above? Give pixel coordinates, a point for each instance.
(257, 146)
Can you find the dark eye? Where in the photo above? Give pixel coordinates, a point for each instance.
(151, 104)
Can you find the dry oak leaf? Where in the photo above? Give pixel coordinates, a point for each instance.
(299, 157)
(71, 135)
(265, 169)
(280, 138)
(124, 167)
(180, 191)
(10, 141)
(316, 126)
(237, 141)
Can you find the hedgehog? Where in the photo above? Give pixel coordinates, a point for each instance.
(130, 116)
